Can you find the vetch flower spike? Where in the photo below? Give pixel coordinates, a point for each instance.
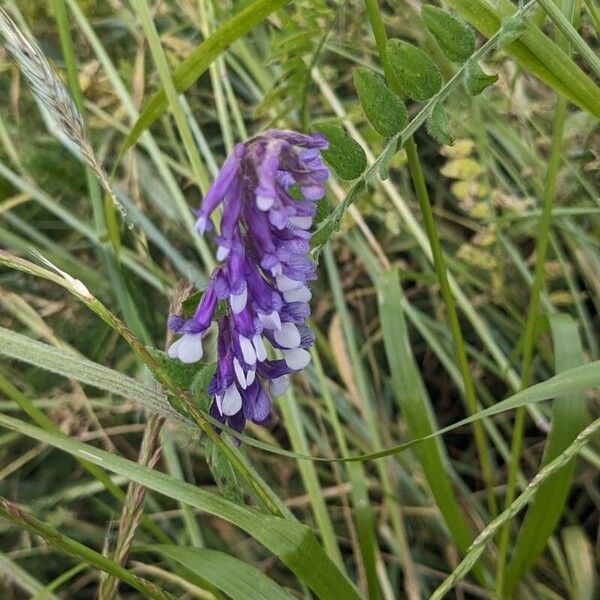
(267, 189)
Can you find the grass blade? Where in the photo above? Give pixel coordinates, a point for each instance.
(492, 529)
(235, 578)
(569, 415)
(535, 52)
(292, 542)
(11, 512)
(200, 59)
(416, 408)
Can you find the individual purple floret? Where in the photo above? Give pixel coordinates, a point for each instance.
(268, 188)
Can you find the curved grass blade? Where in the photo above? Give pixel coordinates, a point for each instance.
(237, 579)
(534, 51)
(571, 381)
(294, 543)
(414, 403)
(528, 494)
(569, 415)
(199, 60)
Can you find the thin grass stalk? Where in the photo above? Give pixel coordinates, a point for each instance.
(157, 157)
(418, 181)
(529, 336)
(133, 507)
(109, 257)
(514, 508)
(214, 69)
(160, 61)
(364, 531)
(292, 417)
(55, 103)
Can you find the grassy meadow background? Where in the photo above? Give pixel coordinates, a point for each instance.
(112, 482)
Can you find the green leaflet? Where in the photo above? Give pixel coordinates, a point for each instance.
(417, 74)
(344, 155)
(384, 109)
(199, 60)
(477, 80)
(437, 125)
(456, 39)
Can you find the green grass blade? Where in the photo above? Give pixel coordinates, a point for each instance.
(200, 59)
(569, 415)
(414, 403)
(73, 366)
(535, 52)
(11, 570)
(292, 417)
(581, 558)
(528, 494)
(292, 542)
(11, 512)
(237, 579)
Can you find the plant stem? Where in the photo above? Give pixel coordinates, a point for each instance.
(418, 180)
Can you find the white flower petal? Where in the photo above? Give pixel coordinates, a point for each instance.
(264, 203)
(301, 222)
(276, 270)
(232, 401)
(219, 400)
(296, 358)
(270, 321)
(286, 284)
(238, 302)
(250, 377)
(239, 373)
(279, 385)
(288, 336)
(259, 346)
(248, 351)
(222, 253)
(301, 294)
(190, 349)
(173, 350)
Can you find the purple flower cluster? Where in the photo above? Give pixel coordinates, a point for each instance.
(268, 187)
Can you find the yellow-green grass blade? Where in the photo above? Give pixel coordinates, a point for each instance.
(237, 579)
(294, 543)
(200, 59)
(569, 416)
